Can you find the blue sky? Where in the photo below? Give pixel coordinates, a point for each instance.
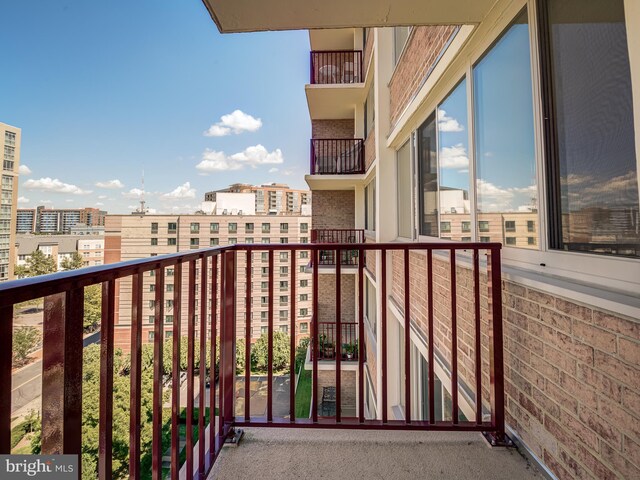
(105, 90)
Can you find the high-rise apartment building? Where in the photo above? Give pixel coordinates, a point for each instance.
(272, 199)
(135, 236)
(57, 220)
(10, 138)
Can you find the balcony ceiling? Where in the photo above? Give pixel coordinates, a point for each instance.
(329, 102)
(262, 15)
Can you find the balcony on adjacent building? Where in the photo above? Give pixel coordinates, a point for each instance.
(337, 156)
(342, 236)
(329, 345)
(335, 67)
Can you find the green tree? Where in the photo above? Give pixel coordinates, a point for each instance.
(260, 352)
(301, 352)
(37, 264)
(24, 340)
(92, 307)
(74, 262)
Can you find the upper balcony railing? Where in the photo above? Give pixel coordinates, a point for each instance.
(337, 156)
(338, 235)
(328, 340)
(331, 67)
(223, 278)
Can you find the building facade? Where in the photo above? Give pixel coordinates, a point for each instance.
(10, 138)
(445, 136)
(61, 248)
(57, 220)
(272, 199)
(135, 236)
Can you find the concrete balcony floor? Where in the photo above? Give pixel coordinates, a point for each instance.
(280, 453)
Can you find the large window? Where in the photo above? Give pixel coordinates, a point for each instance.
(404, 191)
(369, 111)
(592, 164)
(400, 37)
(504, 134)
(370, 206)
(428, 177)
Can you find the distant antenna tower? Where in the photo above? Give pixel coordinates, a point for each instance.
(142, 209)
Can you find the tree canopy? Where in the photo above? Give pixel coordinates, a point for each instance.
(37, 264)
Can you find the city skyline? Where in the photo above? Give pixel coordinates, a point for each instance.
(124, 107)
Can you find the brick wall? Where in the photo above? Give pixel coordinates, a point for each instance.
(420, 54)
(327, 378)
(327, 298)
(572, 371)
(333, 209)
(339, 128)
(369, 149)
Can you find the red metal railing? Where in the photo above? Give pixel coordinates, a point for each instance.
(336, 67)
(338, 235)
(328, 339)
(216, 273)
(337, 156)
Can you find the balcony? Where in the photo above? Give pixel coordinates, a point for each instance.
(328, 257)
(334, 67)
(191, 447)
(337, 156)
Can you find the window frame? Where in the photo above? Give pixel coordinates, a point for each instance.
(618, 273)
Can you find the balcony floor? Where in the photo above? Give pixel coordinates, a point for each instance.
(278, 453)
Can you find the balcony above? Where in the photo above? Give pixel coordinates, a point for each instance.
(262, 15)
(342, 236)
(336, 67)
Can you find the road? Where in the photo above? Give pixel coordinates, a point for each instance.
(27, 384)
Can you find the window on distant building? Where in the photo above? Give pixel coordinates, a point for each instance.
(304, 283)
(248, 227)
(483, 226)
(510, 226)
(214, 242)
(304, 227)
(214, 227)
(284, 228)
(172, 241)
(154, 241)
(510, 240)
(233, 227)
(172, 227)
(266, 228)
(195, 227)
(531, 226)
(304, 327)
(445, 227)
(154, 227)
(304, 312)
(194, 242)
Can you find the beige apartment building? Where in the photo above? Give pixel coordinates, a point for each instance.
(135, 236)
(10, 138)
(272, 198)
(57, 220)
(61, 248)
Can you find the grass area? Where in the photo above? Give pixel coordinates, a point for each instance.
(145, 461)
(20, 431)
(303, 394)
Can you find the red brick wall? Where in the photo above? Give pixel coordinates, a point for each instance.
(571, 370)
(327, 298)
(420, 54)
(340, 128)
(333, 209)
(369, 149)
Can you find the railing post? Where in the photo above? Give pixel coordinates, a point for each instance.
(228, 337)
(105, 432)
(497, 436)
(62, 373)
(6, 333)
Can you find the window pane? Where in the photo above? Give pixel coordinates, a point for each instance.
(596, 157)
(453, 161)
(428, 171)
(404, 191)
(400, 36)
(506, 178)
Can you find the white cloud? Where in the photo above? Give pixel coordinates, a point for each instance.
(288, 172)
(133, 193)
(24, 170)
(214, 161)
(23, 200)
(69, 200)
(111, 184)
(273, 170)
(102, 197)
(54, 185)
(182, 191)
(99, 204)
(235, 122)
(448, 124)
(45, 202)
(454, 157)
